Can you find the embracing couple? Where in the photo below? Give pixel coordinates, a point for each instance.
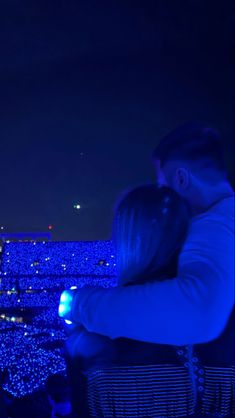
(162, 342)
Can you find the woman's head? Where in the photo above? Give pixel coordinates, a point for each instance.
(150, 225)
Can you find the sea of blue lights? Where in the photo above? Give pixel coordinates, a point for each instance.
(35, 292)
(33, 275)
(58, 258)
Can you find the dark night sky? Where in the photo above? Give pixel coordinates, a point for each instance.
(107, 79)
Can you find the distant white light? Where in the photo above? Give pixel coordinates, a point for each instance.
(77, 206)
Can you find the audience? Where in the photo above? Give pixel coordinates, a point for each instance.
(135, 373)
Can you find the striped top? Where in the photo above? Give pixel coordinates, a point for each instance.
(156, 391)
(151, 380)
(140, 391)
(219, 394)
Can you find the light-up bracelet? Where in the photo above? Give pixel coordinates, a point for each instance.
(65, 304)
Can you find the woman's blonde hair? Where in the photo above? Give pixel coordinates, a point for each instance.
(149, 229)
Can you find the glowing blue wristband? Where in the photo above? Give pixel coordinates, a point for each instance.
(65, 305)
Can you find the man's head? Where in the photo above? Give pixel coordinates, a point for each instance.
(59, 393)
(190, 160)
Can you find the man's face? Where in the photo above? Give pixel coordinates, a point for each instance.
(175, 175)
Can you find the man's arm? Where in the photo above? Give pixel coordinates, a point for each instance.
(192, 308)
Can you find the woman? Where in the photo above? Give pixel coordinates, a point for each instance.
(126, 377)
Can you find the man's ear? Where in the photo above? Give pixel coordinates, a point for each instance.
(182, 178)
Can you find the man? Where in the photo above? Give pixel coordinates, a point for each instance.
(195, 306)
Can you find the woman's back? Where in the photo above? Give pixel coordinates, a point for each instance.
(141, 379)
(151, 380)
(140, 391)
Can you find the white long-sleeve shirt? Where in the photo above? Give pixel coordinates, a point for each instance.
(192, 308)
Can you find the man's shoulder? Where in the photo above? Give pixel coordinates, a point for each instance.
(220, 213)
(211, 233)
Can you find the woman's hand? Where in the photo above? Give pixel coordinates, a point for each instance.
(82, 343)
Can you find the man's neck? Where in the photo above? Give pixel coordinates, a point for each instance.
(209, 197)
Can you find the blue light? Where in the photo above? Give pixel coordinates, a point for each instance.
(21, 350)
(62, 310)
(64, 297)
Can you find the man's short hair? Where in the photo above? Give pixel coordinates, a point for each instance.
(196, 144)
